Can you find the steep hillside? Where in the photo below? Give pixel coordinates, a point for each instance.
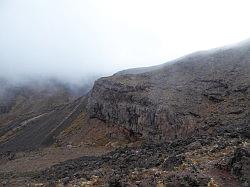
(32, 113)
(205, 91)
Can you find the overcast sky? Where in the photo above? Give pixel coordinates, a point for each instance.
(76, 38)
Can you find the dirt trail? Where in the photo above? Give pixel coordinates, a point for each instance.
(44, 158)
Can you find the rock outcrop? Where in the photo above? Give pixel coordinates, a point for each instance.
(206, 91)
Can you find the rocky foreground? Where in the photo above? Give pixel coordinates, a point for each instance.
(184, 123)
(197, 161)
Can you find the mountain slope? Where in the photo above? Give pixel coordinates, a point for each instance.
(35, 132)
(46, 114)
(200, 92)
(32, 113)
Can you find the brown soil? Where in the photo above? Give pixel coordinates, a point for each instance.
(44, 158)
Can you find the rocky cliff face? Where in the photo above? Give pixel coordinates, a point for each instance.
(202, 92)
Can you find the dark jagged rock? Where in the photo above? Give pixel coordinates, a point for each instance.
(173, 161)
(238, 164)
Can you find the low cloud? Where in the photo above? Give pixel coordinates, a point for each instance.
(78, 40)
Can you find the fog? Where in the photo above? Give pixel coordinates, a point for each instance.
(76, 39)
